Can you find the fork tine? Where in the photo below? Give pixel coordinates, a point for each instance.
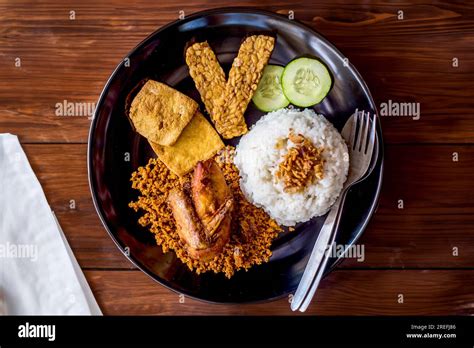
(372, 134)
(353, 131)
(364, 129)
(357, 141)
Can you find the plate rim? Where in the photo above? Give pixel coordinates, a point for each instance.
(193, 16)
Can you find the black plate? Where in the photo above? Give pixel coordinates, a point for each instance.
(111, 140)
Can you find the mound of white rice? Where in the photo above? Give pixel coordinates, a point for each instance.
(258, 157)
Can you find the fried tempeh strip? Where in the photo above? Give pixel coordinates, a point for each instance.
(208, 76)
(226, 101)
(243, 80)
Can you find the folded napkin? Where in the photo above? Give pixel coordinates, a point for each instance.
(39, 274)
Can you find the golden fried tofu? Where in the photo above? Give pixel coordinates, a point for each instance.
(198, 142)
(160, 113)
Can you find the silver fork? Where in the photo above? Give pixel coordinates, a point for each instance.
(360, 135)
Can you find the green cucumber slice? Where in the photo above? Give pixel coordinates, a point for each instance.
(269, 95)
(305, 81)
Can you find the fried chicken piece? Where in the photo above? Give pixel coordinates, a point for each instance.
(190, 228)
(210, 194)
(204, 216)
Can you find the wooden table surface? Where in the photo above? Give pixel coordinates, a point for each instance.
(424, 251)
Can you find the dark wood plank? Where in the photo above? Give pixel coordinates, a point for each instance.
(341, 293)
(405, 60)
(428, 180)
(435, 217)
(416, 241)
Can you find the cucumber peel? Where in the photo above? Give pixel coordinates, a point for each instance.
(305, 82)
(269, 95)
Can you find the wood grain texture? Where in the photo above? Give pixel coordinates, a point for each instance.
(416, 241)
(408, 251)
(341, 293)
(437, 210)
(407, 60)
(428, 180)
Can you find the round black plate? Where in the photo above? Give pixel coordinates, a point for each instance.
(112, 142)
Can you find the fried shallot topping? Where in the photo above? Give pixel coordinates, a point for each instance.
(302, 164)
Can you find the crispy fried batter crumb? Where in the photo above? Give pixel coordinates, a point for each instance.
(253, 230)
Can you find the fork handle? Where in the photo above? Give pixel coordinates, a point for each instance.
(317, 262)
(319, 275)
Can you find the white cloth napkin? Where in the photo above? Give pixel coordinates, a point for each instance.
(39, 274)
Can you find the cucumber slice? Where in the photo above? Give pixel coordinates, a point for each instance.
(269, 95)
(305, 81)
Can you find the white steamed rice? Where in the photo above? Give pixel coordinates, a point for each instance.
(257, 158)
